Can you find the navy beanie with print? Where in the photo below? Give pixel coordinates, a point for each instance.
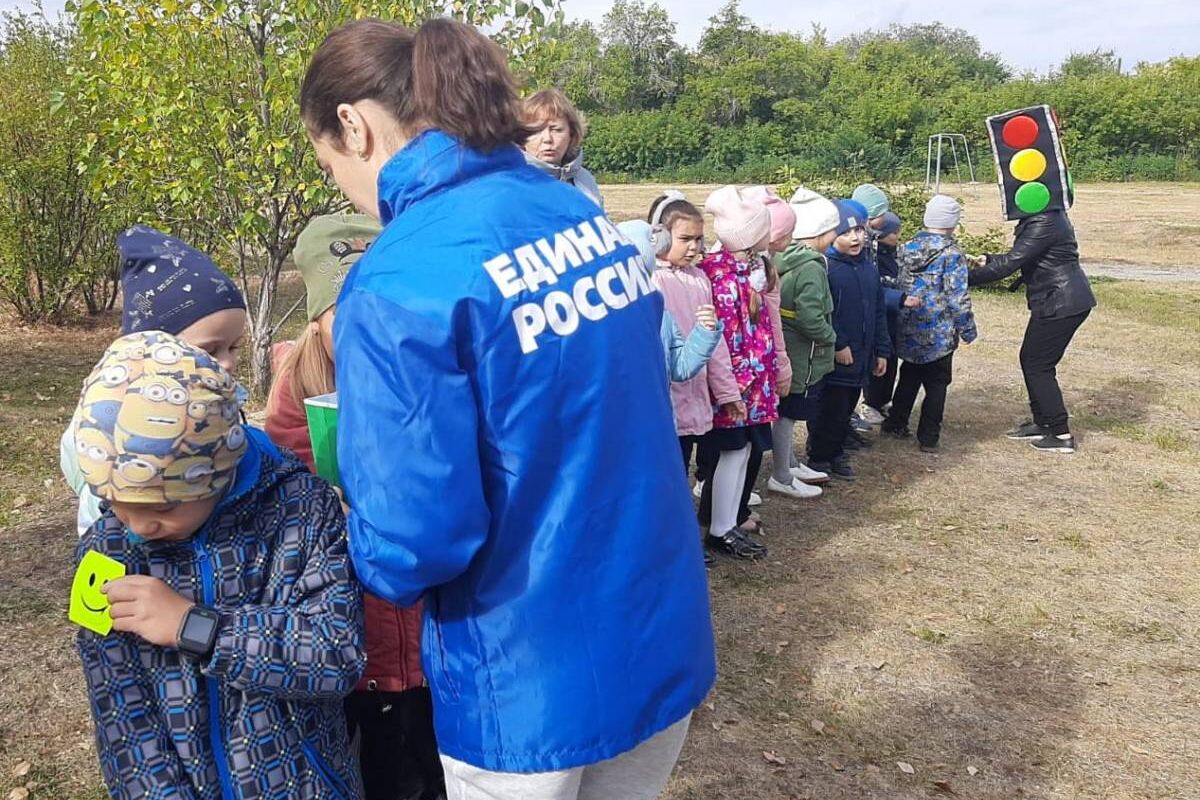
(168, 285)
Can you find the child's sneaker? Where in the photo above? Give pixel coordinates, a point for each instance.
(736, 544)
(795, 489)
(1026, 430)
(870, 415)
(856, 441)
(805, 474)
(1054, 444)
(895, 431)
(755, 500)
(933, 447)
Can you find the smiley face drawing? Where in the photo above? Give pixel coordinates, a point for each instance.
(89, 605)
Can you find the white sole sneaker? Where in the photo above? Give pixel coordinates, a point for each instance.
(698, 489)
(797, 489)
(804, 474)
(870, 415)
(755, 499)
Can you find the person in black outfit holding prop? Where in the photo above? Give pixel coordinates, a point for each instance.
(1060, 298)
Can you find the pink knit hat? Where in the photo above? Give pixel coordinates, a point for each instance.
(783, 217)
(740, 223)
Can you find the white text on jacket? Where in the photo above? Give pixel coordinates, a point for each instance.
(532, 266)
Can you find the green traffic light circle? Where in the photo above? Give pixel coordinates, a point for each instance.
(1032, 197)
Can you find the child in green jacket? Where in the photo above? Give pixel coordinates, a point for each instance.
(806, 307)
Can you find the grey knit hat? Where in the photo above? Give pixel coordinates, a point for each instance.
(942, 212)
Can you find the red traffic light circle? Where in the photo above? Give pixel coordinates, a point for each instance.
(1020, 132)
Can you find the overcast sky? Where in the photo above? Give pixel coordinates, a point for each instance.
(1028, 34)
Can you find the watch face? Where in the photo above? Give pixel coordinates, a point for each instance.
(198, 631)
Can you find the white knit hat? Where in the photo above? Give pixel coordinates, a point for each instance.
(814, 214)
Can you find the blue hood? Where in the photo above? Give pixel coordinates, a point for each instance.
(500, 371)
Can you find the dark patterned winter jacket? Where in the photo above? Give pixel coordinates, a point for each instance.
(261, 718)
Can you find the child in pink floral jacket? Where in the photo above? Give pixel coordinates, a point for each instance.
(738, 278)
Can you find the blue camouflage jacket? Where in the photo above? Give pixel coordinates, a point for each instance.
(261, 719)
(932, 330)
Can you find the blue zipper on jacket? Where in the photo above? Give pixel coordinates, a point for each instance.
(214, 690)
(325, 770)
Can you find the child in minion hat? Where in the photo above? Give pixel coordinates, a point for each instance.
(168, 286)
(237, 579)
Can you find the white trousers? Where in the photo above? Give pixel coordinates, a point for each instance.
(640, 774)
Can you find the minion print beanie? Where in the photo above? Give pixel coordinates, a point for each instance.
(158, 422)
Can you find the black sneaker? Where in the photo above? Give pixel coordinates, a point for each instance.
(1054, 444)
(930, 448)
(840, 468)
(896, 432)
(734, 543)
(856, 441)
(1026, 430)
(709, 559)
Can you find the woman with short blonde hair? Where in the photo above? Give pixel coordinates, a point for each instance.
(556, 145)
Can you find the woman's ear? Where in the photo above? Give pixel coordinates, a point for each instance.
(356, 133)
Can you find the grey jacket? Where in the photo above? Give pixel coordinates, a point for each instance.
(571, 171)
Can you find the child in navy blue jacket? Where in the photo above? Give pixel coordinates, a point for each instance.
(862, 344)
(237, 628)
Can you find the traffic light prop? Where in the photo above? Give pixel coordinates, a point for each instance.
(1030, 164)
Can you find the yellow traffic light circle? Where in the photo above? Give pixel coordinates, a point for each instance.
(1028, 165)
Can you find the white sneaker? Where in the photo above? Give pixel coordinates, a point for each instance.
(698, 489)
(797, 489)
(806, 474)
(870, 415)
(755, 499)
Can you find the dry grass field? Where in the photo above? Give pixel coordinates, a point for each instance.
(1148, 224)
(986, 623)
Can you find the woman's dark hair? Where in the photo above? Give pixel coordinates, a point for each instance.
(673, 211)
(445, 75)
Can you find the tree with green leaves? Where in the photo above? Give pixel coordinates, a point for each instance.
(194, 112)
(53, 241)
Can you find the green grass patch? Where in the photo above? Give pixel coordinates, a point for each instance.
(1175, 308)
(927, 634)
(1170, 441)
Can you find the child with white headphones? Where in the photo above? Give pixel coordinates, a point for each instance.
(678, 234)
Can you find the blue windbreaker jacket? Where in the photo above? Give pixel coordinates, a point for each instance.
(506, 444)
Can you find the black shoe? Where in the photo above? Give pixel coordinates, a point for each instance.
(734, 543)
(709, 559)
(840, 468)
(930, 448)
(1026, 430)
(1054, 444)
(856, 441)
(896, 432)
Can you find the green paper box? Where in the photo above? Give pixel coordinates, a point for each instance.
(322, 431)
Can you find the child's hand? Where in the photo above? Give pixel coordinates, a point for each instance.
(977, 261)
(147, 607)
(845, 357)
(706, 316)
(783, 388)
(880, 367)
(910, 301)
(735, 410)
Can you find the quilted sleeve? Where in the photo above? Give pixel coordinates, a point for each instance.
(310, 644)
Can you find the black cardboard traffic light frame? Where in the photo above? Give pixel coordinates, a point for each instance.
(1031, 167)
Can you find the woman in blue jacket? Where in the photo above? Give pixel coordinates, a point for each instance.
(505, 435)
(862, 344)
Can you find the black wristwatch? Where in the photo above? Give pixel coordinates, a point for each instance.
(198, 632)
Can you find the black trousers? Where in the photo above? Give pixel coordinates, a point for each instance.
(1045, 343)
(686, 445)
(882, 388)
(827, 434)
(934, 378)
(397, 748)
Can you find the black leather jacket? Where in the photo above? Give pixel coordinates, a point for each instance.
(1047, 256)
